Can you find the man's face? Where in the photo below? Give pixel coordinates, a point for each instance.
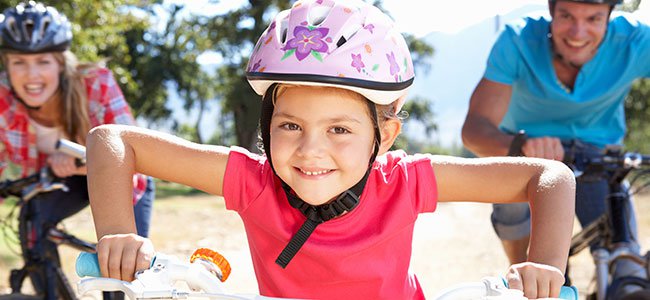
(578, 29)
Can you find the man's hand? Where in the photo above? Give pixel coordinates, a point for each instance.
(544, 147)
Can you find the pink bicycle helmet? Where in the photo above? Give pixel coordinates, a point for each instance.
(348, 44)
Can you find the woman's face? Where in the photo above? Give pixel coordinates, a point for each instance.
(34, 77)
(321, 141)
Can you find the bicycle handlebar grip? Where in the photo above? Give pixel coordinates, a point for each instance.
(569, 293)
(566, 292)
(87, 265)
(73, 149)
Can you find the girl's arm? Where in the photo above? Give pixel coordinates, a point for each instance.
(548, 186)
(114, 154)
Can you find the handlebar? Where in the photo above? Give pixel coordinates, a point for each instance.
(494, 288)
(20, 187)
(73, 149)
(202, 276)
(157, 282)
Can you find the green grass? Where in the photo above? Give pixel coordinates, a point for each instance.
(166, 189)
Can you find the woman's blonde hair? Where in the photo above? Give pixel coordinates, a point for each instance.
(73, 113)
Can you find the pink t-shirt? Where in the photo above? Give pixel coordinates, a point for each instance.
(364, 254)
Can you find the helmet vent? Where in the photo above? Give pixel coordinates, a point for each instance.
(45, 23)
(318, 14)
(12, 29)
(284, 28)
(341, 41)
(283, 36)
(28, 29)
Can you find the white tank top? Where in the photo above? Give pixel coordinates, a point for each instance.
(46, 137)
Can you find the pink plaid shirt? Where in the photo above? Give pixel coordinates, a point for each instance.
(106, 105)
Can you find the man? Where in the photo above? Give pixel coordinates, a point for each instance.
(562, 80)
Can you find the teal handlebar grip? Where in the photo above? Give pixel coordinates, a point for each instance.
(566, 292)
(87, 265)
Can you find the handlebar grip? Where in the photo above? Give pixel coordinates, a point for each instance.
(569, 293)
(566, 292)
(73, 149)
(87, 265)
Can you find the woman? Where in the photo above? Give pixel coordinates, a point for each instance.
(46, 95)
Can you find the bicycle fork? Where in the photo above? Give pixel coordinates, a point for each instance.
(601, 261)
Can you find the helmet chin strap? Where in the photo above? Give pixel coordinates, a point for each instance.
(30, 107)
(315, 214)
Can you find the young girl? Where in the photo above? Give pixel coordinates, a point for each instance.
(329, 211)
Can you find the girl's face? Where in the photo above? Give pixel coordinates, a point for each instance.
(321, 141)
(578, 29)
(34, 77)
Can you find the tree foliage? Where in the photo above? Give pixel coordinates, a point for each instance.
(637, 110)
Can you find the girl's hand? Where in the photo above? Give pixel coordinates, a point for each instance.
(121, 255)
(535, 280)
(63, 165)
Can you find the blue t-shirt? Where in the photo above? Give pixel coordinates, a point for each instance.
(593, 112)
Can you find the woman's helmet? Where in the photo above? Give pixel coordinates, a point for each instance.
(347, 44)
(34, 28)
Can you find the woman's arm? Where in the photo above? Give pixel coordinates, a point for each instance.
(116, 152)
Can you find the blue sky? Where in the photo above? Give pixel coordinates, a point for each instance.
(446, 15)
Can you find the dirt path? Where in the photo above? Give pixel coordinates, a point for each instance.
(455, 244)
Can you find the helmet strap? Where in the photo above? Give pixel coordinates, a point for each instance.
(30, 107)
(315, 214)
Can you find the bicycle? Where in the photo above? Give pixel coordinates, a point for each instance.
(616, 165)
(44, 271)
(207, 271)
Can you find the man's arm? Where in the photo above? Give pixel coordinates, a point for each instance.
(488, 104)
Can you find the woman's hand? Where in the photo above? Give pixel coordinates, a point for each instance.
(64, 165)
(121, 255)
(535, 280)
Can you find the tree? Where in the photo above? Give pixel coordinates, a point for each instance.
(637, 110)
(637, 105)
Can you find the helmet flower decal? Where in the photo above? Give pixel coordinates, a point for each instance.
(394, 67)
(306, 41)
(357, 62)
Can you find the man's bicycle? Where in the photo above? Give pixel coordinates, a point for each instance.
(43, 268)
(616, 166)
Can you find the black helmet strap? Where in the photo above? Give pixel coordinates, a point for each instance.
(315, 214)
(30, 107)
